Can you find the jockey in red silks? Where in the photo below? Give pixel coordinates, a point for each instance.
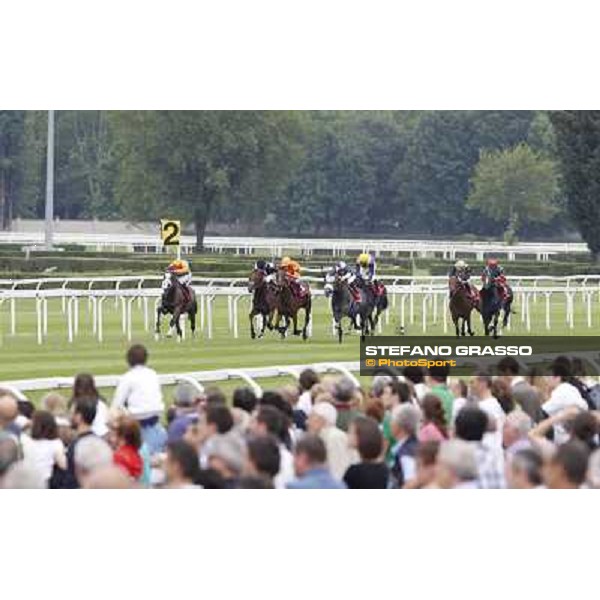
(493, 273)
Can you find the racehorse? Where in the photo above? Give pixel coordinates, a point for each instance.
(176, 301)
(288, 305)
(343, 305)
(264, 301)
(490, 305)
(461, 306)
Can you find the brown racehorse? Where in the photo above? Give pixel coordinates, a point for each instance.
(288, 305)
(264, 301)
(461, 306)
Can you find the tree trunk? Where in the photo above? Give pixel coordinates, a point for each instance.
(201, 216)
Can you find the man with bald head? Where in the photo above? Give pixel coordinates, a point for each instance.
(9, 411)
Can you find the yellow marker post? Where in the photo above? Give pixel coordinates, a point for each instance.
(170, 233)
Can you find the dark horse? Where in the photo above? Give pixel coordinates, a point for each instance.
(288, 305)
(490, 305)
(264, 301)
(176, 301)
(344, 305)
(461, 306)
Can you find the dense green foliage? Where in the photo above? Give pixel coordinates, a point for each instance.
(578, 146)
(380, 173)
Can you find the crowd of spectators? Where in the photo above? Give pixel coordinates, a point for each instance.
(417, 429)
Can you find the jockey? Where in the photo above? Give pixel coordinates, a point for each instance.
(291, 267)
(181, 269)
(494, 273)
(365, 266)
(268, 268)
(462, 272)
(345, 273)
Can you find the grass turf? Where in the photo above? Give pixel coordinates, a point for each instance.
(21, 357)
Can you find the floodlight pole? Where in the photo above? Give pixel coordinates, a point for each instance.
(50, 182)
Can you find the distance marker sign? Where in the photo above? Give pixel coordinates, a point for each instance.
(170, 232)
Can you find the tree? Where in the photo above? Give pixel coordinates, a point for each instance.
(11, 148)
(433, 179)
(512, 185)
(578, 148)
(185, 163)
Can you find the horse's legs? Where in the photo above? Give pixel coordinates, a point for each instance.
(192, 317)
(471, 332)
(295, 323)
(174, 323)
(157, 328)
(251, 316)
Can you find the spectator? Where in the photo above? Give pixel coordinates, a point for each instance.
(138, 392)
(129, 441)
(460, 391)
(83, 415)
(567, 468)
(481, 386)
(456, 466)
(185, 402)
(244, 398)
(524, 394)
(108, 477)
(426, 458)
(322, 422)
(524, 469)
(437, 380)
(308, 378)
(9, 411)
(23, 475)
(84, 386)
(91, 453)
(47, 450)
(270, 422)
(214, 422)
(263, 458)
(563, 395)
(515, 432)
(577, 424)
(57, 406)
(228, 457)
(9, 453)
(310, 459)
(344, 402)
(471, 426)
(181, 466)
(434, 427)
(593, 472)
(371, 472)
(404, 427)
(416, 376)
(502, 391)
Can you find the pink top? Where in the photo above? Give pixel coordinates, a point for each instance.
(430, 433)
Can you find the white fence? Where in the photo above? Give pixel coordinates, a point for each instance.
(448, 249)
(248, 376)
(404, 300)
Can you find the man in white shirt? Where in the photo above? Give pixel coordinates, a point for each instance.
(481, 388)
(563, 395)
(139, 393)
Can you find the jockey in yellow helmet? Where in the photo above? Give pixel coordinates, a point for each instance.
(365, 266)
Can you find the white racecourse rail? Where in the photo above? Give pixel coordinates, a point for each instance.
(404, 292)
(197, 378)
(448, 249)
